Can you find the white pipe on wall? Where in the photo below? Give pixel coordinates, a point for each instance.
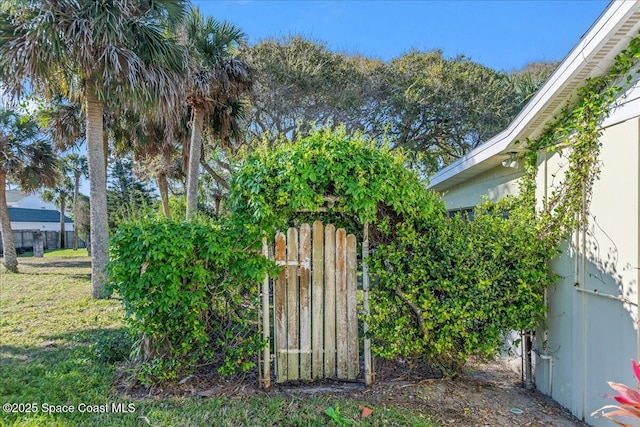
(638, 250)
(549, 358)
(584, 301)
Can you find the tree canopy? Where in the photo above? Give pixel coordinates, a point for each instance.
(437, 108)
(27, 159)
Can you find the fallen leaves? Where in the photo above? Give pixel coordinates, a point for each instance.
(365, 411)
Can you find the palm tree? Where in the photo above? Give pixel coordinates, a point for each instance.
(26, 159)
(65, 122)
(60, 195)
(153, 142)
(98, 52)
(218, 79)
(77, 165)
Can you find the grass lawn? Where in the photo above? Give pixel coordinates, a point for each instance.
(59, 350)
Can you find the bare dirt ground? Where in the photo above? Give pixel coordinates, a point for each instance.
(486, 394)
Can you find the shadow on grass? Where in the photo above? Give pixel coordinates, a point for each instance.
(65, 369)
(58, 263)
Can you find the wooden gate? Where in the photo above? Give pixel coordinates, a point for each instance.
(314, 301)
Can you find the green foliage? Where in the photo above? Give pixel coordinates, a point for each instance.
(450, 288)
(189, 290)
(443, 107)
(529, 79)
(61, 362)
(575, 133)
(111, 346)
(300, 82)
(438, 108)
(371, 185)
(127, 196)
(443, 288)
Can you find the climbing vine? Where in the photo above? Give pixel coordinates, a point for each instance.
(443, 288)
(362, 183)
(575, 132)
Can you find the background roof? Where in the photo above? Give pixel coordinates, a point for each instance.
(35, 215)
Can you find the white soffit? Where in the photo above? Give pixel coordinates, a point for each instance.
(592, 56)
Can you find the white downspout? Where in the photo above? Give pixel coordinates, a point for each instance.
(549, 358)
(637, 325)
(546, 356)
(583, 283)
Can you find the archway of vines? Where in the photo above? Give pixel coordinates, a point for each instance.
(443, 288)
(344, 179)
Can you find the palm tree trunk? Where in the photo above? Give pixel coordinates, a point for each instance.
(10, 258)
(195, 152)
(62, 236)
(76, 190)
(97, 192)
(163, 187)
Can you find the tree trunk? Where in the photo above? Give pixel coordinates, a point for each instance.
(220, 180)
(97, 192)
(10, 258)
(76, 190)
(163, 187)
(195, 152)
(62, 236)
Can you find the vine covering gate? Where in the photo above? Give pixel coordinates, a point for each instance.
(314, 305)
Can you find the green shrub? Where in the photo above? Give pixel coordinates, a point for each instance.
(442, 288)
(189, 291)
(371, 184)
(112, 346)
(448, 288)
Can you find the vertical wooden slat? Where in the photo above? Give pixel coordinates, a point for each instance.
(266, 327)
(352, 309)
(305, 302)
(280, 309)
(317, 301)
(293, 306)
(341, 302)
(330, 301)
(366, 347)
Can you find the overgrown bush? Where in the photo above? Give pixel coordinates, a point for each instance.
(448, 288)
(443, 288)
(190, 291)
(369, 184)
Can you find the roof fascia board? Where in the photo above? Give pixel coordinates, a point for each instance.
(575, 61)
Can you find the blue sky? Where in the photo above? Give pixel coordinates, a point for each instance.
(503, 35)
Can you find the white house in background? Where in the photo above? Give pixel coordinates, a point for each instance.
(38, 219)
(24, 222)
(593, 308)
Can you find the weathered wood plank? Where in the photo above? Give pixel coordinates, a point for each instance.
(366, 345)
(305, 301)
(266, 327)
(280, 311)
(317, 301)
(341, 303)
(352, 309)
(293, 306)
(330, 301)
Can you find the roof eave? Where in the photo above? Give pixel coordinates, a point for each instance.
(593, 55)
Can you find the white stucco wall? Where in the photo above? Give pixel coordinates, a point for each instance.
(494, 183)
(592, 338)
(42, 226)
